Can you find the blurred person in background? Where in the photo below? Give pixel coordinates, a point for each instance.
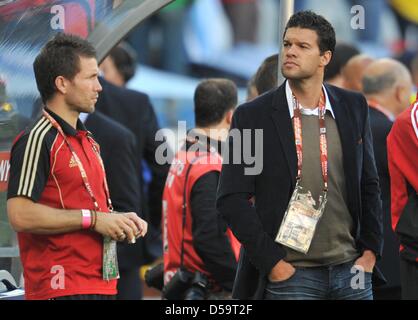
(386, 86)
(120, 65)
(134, 110)
(403, 168)
(251, 90)
(158, 41)
(265, 78)
(243, 15)
(333, 71)
(389, 84)
(189, 203)
(118, 152)
(352, 72)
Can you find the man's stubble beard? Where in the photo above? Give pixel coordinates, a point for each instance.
(290, 76)
(79, 109)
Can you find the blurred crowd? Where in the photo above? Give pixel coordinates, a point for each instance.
(186, 35)
(381, 65)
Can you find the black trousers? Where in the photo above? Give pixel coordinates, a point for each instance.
(129, 285)
(409, 279)
(392, 293)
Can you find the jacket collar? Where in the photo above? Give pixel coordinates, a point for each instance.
(66, 127)
(328, 106)
(283, 124)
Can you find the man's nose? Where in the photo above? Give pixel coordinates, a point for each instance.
(99, 87)
(291, 51)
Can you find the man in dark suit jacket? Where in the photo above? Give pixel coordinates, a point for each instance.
(387, 85)
(117, 148)
(349, 233)
(133, 110)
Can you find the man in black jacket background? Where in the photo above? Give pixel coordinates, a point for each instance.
(117, 148)
(133, 110)
(387, 85)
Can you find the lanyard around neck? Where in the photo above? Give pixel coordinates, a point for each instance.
(80, 166)
(297, 125)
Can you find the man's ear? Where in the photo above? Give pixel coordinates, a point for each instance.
(229, 115)
(326, 58)
(61, 84)
(398, 93)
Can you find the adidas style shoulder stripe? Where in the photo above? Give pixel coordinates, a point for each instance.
(31, 157)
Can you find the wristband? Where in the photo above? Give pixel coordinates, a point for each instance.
(86, 218)
(94, 219)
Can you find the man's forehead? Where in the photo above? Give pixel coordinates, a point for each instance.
(88, 60)
(301, 34)
(88, 64)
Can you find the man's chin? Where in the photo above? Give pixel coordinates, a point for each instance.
(292, 76)
(89, 109)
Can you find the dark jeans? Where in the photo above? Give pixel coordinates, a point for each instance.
(340, 282)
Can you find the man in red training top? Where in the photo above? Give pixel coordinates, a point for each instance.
(403, 168)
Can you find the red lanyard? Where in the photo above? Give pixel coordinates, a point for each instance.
(80, 165)
(297, 124)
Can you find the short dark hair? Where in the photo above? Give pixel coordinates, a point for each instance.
(212, 99)
(317, 23)
(266, 75)
(59, 57)
(342, 53)
(124, 59)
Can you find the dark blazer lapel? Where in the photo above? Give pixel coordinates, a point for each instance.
(348, 142)
(283, 124)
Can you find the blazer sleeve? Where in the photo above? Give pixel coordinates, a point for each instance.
(158, 171)
(233, 202)
(371, 219)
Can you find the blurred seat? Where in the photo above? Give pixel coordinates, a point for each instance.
(8, 287)
(7, 282)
